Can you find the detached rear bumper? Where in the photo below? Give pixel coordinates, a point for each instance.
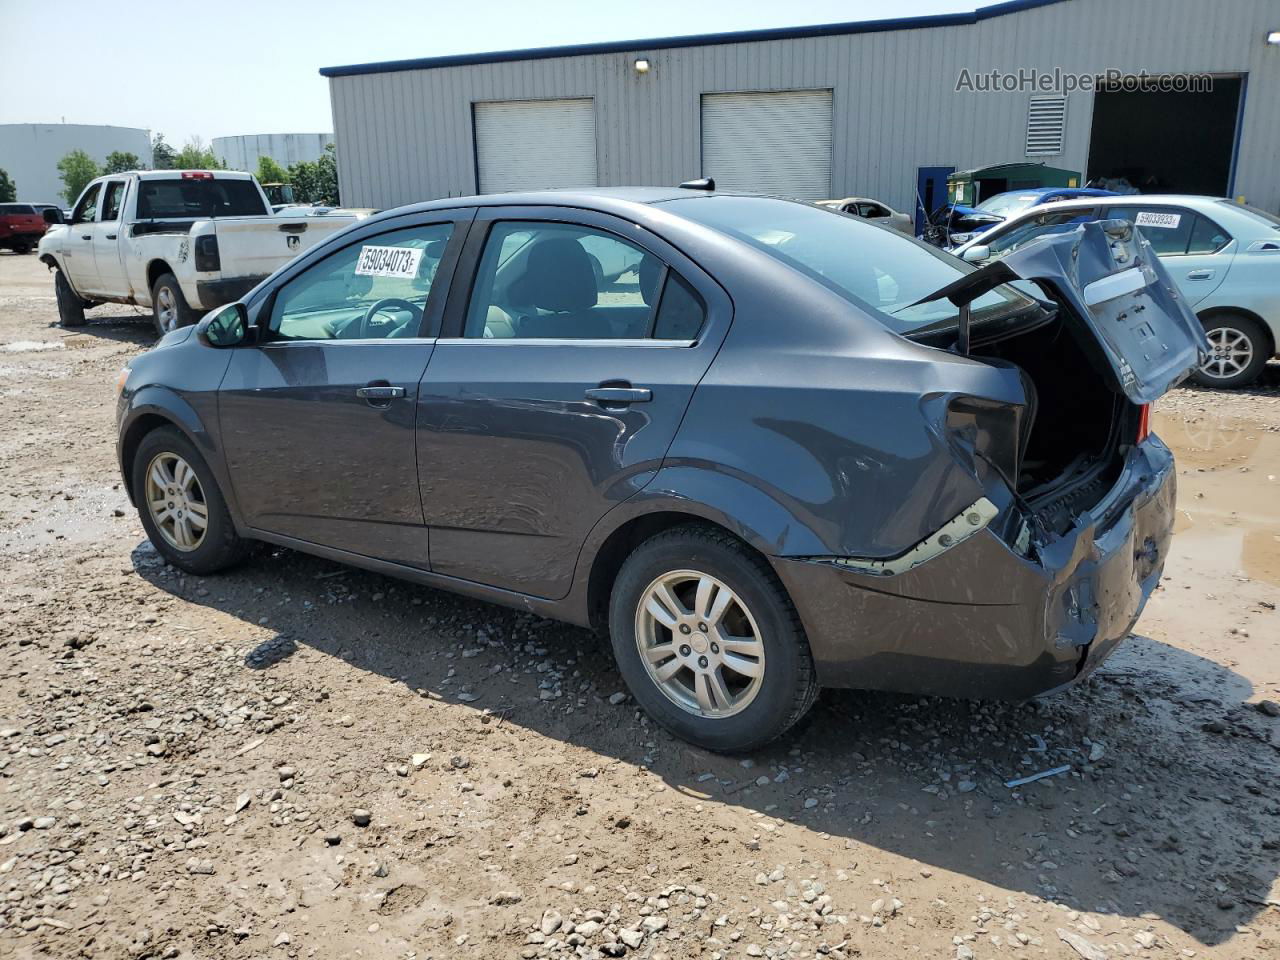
(981, 621)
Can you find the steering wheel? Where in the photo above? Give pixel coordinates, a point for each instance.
(367, 320)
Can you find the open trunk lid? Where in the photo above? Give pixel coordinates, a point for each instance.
(1106, 273)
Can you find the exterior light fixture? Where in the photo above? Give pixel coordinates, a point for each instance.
(1273, 38)
(642, 63)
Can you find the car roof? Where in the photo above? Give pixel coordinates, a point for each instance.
(604, 199)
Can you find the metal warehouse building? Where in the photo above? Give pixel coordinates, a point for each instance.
(867, 108)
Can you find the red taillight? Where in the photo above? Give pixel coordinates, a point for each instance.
(196, 175)
(1144, 422)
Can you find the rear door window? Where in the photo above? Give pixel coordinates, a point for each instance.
(1207, 236)
(111, 201)
(1167, 229)
(561, 281)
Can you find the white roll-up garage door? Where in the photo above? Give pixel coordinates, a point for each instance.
(535, 144)
(777, 142)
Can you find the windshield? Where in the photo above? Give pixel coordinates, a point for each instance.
(880, 271)
(1007, 204)
(185, 199)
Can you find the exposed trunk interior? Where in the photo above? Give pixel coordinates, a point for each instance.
(1072, 445)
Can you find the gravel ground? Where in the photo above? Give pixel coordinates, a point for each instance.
(297, 759)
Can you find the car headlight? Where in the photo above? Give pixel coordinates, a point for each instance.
(121, 378)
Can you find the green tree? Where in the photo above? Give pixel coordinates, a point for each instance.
(195, 156)
(8, 189)
(76, 170)
(316, 181)
(118, 161)
(271, 172)
(161, 153)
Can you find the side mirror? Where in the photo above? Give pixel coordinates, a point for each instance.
(51, 217)
(977, 254)
(228, 327)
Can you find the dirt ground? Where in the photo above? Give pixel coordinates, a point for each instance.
(297, 759)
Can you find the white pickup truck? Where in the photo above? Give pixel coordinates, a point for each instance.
(178, 241)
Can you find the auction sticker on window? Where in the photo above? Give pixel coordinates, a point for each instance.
(1165, 221)
(389, 262)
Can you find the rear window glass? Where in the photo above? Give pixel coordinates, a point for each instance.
(880, 271)
(170, 199)
(1270, 219)
(16, 208)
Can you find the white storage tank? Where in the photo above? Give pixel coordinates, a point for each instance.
(29, 152)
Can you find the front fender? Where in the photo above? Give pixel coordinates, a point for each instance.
(152, 405)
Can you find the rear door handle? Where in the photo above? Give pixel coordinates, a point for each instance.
(615, 395)
(372, 393)
(1200, 275)
(111, 236)
(86, 236)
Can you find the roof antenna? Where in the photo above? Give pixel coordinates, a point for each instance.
(705, 183)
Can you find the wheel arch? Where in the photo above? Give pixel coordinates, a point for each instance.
(711, 499)
(150, 409)
(155, 270)
(1223, 311)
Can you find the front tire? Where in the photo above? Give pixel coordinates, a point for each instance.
(1241, 350)
(70, 306)
(708, 642)
(182, 509)
(169, 307)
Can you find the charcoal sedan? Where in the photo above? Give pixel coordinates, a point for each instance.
(766, 449)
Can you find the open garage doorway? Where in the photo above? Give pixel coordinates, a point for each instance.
(1166, 142)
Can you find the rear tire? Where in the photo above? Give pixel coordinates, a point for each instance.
(169, 307)
(176, 492)
(738, 673)
(70, 306)
(1241, 349)
(23, 246)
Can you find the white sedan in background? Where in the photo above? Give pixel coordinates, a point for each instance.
(1224, 256)
(872, 210)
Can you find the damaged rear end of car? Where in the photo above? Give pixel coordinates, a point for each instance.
(1032, 582)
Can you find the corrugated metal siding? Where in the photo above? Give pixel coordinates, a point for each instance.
(407, 136)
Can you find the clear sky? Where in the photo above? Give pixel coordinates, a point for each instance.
(231, 67)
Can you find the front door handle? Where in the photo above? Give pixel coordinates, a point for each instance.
(376, 393)
(1200, 275)
(619, 395)
(111, 236)
(86, 236)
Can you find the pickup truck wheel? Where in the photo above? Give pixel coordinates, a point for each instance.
(708, 642)
(22, 246)
(169, 306)
(1239, 350)
(70, 306)
(181, 507)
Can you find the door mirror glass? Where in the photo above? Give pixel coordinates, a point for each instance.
(228, 327)
(977, 254)
(51, 216)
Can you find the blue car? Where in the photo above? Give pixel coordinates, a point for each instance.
(1013, 202)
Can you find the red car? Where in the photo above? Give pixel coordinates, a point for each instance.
(21, 227)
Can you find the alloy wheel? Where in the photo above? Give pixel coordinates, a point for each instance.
(700, 644)
(176, 502)
(1232, 353)
(168, 305)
